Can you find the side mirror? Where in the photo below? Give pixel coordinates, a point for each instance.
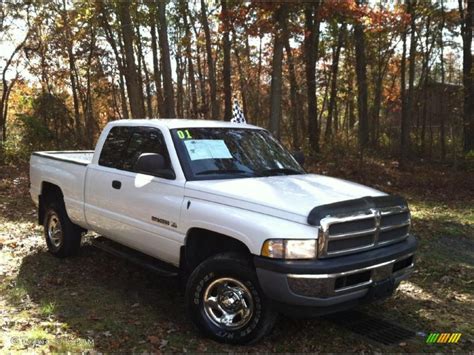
(299, 157)
(153, 164)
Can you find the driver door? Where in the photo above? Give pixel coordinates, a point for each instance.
(138, 210)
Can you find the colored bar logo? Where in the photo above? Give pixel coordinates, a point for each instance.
(443, 338)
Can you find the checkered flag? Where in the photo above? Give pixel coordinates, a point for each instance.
(237, 114)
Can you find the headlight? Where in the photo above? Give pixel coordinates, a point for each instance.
(289, 249)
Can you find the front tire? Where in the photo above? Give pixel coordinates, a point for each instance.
(225, 301)
(63, 237)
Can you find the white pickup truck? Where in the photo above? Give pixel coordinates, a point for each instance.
(234, 214)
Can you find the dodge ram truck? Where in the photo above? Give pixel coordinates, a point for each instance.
(234, 214)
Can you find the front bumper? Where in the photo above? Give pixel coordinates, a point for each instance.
(338, 282)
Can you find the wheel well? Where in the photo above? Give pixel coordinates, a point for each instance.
(49, 192)
(202, 244)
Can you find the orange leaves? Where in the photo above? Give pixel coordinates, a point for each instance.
(375, 18)
(346, 9)
(263, 20)
(386, 20)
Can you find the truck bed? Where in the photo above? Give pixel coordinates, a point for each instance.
(82, 157)
(66, 170)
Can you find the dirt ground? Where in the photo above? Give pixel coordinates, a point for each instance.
(96, 302)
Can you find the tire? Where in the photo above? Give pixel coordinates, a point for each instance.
(229, 283)
(63, 237)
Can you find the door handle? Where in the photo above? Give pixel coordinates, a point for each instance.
(116, 184)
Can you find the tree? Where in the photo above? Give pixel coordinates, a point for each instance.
(131, 75)
(144, 68)
(109, 35)
(442, 128)
(467, 15)
(280, 16)
(156, 66)
(404, 123)
(311, 49)
(226, 69)
(411, 75)
(362, 89)
(168, 89)
(7, 87)
(407, 100)
(72, 68)
(184, 10)
(293, 96)
(334, 73)
(210, 64)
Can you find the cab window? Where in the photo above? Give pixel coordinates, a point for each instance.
(111, 155)
(124, 145)
(144, 140)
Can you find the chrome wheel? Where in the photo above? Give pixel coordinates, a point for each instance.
(228, 303)
(55, 231)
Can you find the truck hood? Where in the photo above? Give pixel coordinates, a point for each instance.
(291, 197)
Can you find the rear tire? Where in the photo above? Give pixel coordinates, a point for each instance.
(63, 237)
(225, 301)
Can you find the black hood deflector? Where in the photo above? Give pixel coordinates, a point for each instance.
(356, 205)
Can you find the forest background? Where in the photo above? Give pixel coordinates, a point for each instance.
(390, 79)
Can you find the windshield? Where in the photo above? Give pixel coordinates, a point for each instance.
(223, 153)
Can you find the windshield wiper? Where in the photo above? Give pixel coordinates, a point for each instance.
(223, 171)
(286, 171)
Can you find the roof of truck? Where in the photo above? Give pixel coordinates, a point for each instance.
(172, 123)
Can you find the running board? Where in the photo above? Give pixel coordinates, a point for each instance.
(159, 267)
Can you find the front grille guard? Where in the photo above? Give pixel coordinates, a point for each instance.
(376, 214)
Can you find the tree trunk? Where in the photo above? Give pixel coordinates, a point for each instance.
(131, 75)
(156, 65)
(376, 108)
(4, 110)
(210, 64)
(6, 88)
(281, 13)
(88, 113)
(192, 80)
(139, 74)
(442, 128)
(72, 70)
(411, 74)
(149, 105)
(179, 83)
(226, 69)
(334, 72)
(362, 91)
(259, 80)
(295, 142)
(165, 60)
(111, 39)
(468, 75)
(117, 111)
(311, 49)
(404, 123)
(203, 109)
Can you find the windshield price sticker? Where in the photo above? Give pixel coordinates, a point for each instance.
(207, 149)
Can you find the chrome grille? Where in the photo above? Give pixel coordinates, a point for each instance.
(345, 234)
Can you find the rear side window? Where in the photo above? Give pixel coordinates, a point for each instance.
(114, 145)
